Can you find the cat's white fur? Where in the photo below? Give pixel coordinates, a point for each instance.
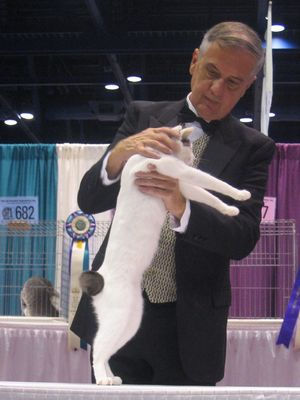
(132, 244)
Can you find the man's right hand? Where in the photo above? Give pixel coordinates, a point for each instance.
(147, 143)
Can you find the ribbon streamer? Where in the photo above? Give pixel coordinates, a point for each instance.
(291, 315)
(80, 227)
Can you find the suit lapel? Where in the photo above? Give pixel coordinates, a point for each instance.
(221, 147)
(168, 116)
(155, 123)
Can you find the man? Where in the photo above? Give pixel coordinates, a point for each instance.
(182, 338)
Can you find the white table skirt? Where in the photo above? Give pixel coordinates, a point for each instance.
(35, 350)
(48, 391)
(254, 359)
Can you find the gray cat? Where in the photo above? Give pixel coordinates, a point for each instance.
(37, 298)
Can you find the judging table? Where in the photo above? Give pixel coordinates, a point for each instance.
(35, 350)
(51, 391)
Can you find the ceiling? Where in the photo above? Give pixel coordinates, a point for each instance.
(57, 55)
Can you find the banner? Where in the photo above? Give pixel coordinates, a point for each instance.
(80, 228)
(267, 88)
(291, 315)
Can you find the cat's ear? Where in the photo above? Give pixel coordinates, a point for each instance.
(185, 133)
(177, 128)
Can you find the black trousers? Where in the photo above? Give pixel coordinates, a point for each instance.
(152, 356)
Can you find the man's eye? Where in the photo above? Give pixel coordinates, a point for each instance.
(233, 84)
(212, 74)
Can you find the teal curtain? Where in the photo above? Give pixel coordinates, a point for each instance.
(27, 170)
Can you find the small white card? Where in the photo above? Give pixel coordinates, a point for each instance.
(19, 209)
(268, 210)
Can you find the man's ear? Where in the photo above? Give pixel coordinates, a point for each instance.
(248, 85)
(251, 81)
(194, 60)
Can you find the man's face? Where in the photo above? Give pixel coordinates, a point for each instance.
(220, 77)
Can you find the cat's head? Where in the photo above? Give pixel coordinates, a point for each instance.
(36, 296)
(185, 152)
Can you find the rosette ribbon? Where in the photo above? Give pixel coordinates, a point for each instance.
(80, 227)
(291, 315)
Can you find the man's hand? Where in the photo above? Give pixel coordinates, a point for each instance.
(164, 187)
(147, 143)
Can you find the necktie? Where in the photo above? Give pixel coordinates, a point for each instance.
(159, 280)
(187, 115)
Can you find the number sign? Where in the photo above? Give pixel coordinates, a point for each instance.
(268, 210)
(19, 209)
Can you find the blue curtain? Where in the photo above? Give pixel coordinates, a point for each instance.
(27, 170)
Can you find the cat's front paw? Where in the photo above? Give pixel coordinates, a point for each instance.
(231, 211)
(109, 380)
(243, 195)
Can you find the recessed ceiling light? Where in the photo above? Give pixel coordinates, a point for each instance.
(26, 115)
(10, 122)
(111, 86)
(278, 28)
(134, 78)
(271, 114)
(246, 119)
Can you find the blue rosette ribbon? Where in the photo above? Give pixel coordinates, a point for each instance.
(80, 227)
(291, 315)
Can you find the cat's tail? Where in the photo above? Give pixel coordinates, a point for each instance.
(91, 282)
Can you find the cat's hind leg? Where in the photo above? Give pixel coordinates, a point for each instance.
(116, 380)
(203, 196)
(102, 351)
(117, 325)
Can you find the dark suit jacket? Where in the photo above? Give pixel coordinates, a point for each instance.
(236, 154)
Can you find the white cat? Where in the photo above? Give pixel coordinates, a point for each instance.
(133, 240)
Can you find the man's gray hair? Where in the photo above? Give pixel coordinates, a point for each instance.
(235, 34)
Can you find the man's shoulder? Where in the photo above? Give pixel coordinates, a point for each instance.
(247, 133)
(155, 106)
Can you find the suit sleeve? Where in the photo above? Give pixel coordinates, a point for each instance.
(94, 197)
(233, 237)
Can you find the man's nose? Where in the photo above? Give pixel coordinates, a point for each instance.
(217, 87)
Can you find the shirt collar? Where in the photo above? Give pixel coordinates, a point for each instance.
(191, 107)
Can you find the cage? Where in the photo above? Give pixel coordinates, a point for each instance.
(261, 283)
(26, 251)
(42, 250)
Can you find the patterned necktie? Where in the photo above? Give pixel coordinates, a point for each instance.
(159, 280)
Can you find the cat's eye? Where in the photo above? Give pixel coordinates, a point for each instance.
(186, 142)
